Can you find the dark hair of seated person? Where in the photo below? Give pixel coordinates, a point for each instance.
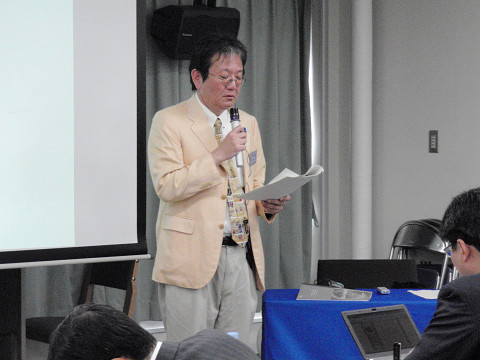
(99, 332)
(461, 220)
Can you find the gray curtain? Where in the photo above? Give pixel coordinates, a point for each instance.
(276, 34)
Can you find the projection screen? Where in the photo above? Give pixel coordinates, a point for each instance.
(72, 131)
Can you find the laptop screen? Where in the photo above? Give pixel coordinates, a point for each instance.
(375, 330)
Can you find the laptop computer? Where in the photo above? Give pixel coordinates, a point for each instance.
(375, 330)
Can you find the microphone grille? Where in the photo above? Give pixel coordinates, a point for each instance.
(234, 114)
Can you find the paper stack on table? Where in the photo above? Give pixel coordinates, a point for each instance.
(317, 292)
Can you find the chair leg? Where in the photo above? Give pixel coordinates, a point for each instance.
(444, 271)
(455, 274)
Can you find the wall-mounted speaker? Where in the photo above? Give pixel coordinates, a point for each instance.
(175, 28)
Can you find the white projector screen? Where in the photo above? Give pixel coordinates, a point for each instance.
(72, 130)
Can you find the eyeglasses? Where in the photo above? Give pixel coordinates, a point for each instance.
(227, 80)
(448, 250)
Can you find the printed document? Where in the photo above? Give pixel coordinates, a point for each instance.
(283, 184)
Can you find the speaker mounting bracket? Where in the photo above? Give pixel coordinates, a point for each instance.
(210, 3)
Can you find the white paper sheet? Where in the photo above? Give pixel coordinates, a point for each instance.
(426, 294)
(283, 184)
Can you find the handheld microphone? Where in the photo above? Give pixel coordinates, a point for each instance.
(235, 121)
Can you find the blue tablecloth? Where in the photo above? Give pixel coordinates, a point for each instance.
(305, 329)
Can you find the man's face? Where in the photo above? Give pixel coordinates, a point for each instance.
(212, 91)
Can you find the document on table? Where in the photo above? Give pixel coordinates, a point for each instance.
(283, 184)
(317, 292)
(426, 294)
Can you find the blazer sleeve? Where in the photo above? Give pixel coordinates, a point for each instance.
(453, 332)
(176, 174)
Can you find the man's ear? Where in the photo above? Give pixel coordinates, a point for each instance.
(464, 248)
(197, 78)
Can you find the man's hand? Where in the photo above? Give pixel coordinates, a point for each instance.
(234, 142)
(274, 206)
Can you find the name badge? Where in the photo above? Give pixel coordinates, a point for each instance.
(252, 159)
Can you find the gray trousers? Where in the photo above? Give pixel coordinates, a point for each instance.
(228, 302)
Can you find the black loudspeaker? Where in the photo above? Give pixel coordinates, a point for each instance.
(175, 28)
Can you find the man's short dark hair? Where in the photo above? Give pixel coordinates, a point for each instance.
(211, 44)
(99, 332)
(462, 219)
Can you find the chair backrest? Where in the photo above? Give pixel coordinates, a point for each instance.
(420, 240)
(118, 274)
(368, 274)
(420, 234)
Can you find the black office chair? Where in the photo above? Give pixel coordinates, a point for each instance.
(119, 275)
(420, 240)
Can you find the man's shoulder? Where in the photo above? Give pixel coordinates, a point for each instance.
(173, 116)
(180, 107)
(467, 281)
(468, 286)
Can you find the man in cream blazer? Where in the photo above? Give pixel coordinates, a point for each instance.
(193, 191)
(204, 282)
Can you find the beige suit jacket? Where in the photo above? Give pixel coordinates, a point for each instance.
(192, 191)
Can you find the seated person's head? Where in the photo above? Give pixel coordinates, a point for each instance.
(99, 332)
(461, 228)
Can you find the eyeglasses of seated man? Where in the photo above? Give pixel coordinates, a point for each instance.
(450, 248)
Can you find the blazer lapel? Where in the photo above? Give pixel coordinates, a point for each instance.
(200, 125)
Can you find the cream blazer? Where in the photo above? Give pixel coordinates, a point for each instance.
(192, 191)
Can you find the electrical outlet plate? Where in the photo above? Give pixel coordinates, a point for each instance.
(433, 141)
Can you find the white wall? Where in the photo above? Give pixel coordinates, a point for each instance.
(426, 77)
